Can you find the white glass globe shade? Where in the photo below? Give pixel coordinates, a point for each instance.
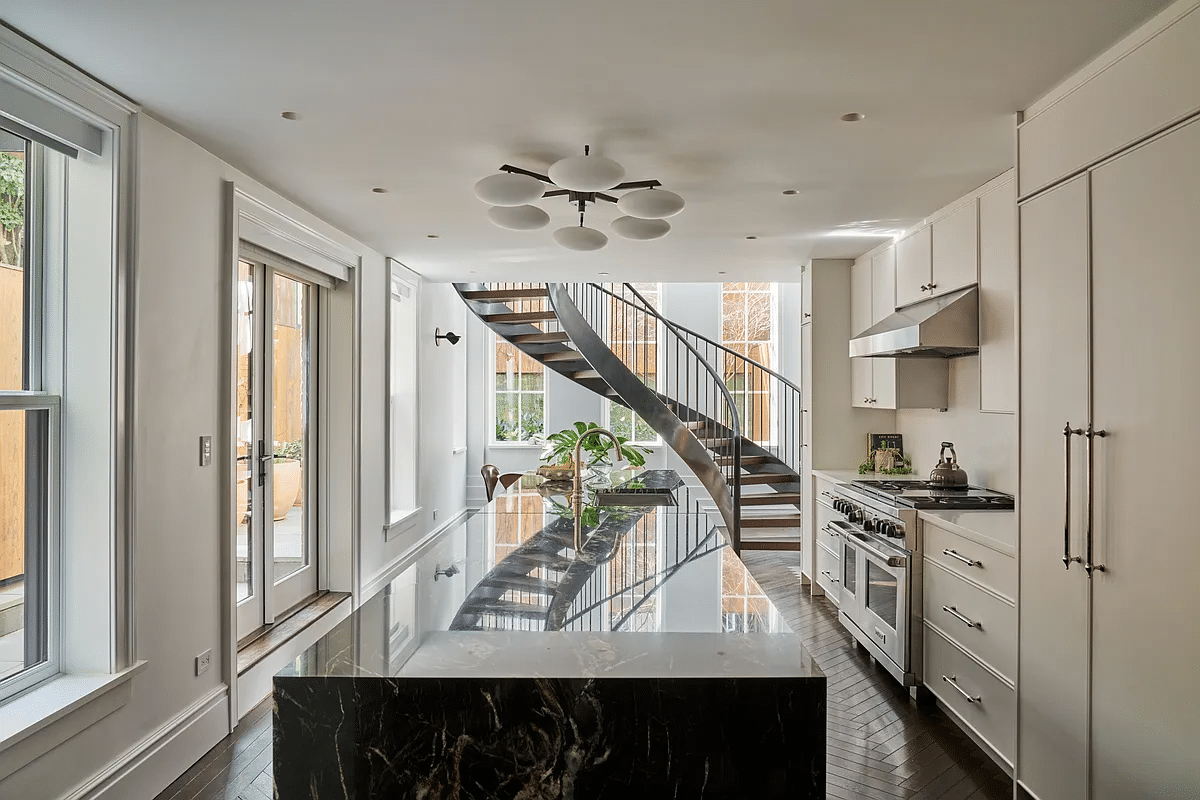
(651, 204)
(509, 189)
(577, 237)
(518, 218)
(586, 173)
(634, 228)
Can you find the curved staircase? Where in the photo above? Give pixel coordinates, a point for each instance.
(735, 423)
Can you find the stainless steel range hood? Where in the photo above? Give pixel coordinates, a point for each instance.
(941, 327)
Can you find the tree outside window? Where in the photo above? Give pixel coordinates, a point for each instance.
(747, 328)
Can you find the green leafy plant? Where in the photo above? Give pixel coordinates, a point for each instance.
(289, 450)
(12, 209)
(560, 447)
(905, 467)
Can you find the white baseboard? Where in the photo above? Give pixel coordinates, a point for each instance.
(388, 572)
(153, 763)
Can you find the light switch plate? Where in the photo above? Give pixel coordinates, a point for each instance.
(205, 451)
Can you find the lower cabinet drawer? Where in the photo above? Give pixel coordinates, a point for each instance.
(980, 699)
(829, 567)
(980, 622)
(827, 537)
(995, 570)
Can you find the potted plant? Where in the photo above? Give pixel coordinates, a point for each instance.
(560, 448)
(288, 472)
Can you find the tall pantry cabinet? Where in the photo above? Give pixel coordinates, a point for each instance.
(1109, 647)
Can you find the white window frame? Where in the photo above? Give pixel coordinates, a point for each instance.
(490, 383)
(773, 344)
(403, 509)
(607, 406)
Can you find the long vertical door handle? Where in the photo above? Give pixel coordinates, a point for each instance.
(1068, 432)
(1091, 434)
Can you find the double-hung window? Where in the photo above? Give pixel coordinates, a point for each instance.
(29, 422)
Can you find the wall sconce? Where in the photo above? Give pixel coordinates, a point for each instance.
(451, 337)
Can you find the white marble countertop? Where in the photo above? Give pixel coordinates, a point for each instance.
(575, 654)
(847, 475)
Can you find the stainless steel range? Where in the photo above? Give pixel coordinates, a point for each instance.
(880, 586)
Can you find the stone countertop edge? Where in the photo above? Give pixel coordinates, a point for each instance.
(577, 654)
(848, 475)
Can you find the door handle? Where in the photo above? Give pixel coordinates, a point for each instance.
(1090, 435)
(263, 459)
(1068, 432)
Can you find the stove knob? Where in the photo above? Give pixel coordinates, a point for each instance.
(856, 514)
(897, 532)
(888, 528)
(870, 523)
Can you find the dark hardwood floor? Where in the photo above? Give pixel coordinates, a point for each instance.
(880, 745)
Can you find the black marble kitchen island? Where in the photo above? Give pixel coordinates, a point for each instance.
(648, 664)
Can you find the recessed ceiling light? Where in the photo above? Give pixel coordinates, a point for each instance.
(379, 190)
(721, 272)
(472, 272)
(432, 236)
(601, 273)
(290, 115)
(751, 237)
(790, 191)
(853, 116)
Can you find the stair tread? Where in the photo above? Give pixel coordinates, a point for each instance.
(727, 461)
(539, 338)
(519, 316)
(507, 607)
(771, 499)
(502, 294)
(757, 478)
(563, 355)
(524, 583)
(789, 521)
(770, 544)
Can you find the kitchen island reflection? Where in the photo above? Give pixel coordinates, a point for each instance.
(648, 664)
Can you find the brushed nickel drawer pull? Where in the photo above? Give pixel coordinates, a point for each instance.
(952, 611)
(956, 556)
(953, 681)
(1092, 433)
(829, 575)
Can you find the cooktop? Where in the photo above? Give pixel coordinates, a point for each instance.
(926, 495)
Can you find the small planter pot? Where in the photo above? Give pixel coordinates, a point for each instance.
(286, 486)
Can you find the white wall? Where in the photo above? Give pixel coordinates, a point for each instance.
(986, 443)
(179, 513)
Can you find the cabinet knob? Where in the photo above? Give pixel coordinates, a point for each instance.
(924, 286)
(807, 315)
(932, 286)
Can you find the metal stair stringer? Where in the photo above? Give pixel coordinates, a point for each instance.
(649, 405)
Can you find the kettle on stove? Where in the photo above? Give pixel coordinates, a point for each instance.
(947, 472)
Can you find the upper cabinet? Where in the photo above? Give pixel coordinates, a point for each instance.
(955, 250)
(888, 383)
(940, 257)
(914, 267)
(998, 298)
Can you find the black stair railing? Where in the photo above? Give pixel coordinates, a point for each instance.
(700, 404)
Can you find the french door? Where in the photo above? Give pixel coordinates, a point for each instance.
(275, 520)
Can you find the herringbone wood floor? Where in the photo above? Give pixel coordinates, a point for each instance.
(880, 744)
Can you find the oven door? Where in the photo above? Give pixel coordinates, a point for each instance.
(881, 596)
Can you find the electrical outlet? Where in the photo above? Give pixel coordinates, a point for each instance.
(435, 513)
(203, 661)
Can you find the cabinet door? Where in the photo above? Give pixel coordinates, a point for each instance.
(883, 285)
(883, 383)
(914, 267)
(998, 299)
(1053, 654)
(861, 390)
(955, 250)
(1145, 380)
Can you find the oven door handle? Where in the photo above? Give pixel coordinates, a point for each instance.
(857, 540)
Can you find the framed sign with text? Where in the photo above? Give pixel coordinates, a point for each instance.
(885, 441)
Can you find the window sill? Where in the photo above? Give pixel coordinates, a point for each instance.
(516, 446)
(400, 522)
(56, 700)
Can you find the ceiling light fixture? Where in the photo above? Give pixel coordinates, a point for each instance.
(853, 116)
(581, 179)
(790, 191)
(379, 190)
(290, 116)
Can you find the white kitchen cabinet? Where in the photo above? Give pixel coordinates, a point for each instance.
(998, 299)
(1107, 659)
(940, 257)
(888, 383)
(1053, 653)
(955, 261)
(914, 266)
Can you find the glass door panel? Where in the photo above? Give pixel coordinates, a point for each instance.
(290, 519)
(883, 593)
(247, 489)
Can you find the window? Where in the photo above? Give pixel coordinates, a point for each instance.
(518, 395)
(402, 394)
(748, 328)
(28, 428)
(634, 338)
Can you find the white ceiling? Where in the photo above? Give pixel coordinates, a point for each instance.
(727, 103)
